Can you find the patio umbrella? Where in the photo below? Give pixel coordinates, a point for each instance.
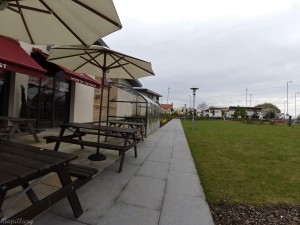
(58, 22)
(100, 61)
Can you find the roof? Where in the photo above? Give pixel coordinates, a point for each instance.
(14, 58)
(218, 107)
(135, 83)
(244, 107)
(133, 92)
(140, 89)
(166, 106)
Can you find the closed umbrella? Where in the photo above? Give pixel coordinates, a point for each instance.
(100, 61)
(58, 22)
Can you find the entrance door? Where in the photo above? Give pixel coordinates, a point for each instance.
(4, 91)
(48, 103)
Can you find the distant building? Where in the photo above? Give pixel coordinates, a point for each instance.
(215, 112)
(250, 111)
(148, 93)
(167, 108)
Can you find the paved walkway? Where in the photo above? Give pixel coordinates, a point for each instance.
(160, 187)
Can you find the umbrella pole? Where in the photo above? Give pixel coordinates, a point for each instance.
(98, 156)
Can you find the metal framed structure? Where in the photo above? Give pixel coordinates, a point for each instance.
(126, 103)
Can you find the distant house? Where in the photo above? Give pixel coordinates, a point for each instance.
(167, 108)
(249, 110)
(216, 111)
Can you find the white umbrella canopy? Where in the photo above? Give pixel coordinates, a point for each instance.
(100, 61)
(58, 22)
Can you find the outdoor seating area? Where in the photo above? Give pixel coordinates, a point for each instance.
(128, 136)
(74, 171)
(149, 190)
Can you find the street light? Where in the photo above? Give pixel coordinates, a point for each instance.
(168, 95)
(250, 103)
(246, 101)
(184, 111)
(190, 102)
(194, 93)
(296, 104)
(287, 97)
(284, 110)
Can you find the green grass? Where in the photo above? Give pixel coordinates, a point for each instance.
(242, 163)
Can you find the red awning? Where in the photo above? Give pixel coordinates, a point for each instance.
(14, 58)
(81, 78)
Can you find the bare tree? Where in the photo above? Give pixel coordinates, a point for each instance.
(203, 106)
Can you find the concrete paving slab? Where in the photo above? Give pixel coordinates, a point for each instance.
(145, 192)
(184, 183)
(49, 218)
(183, 209)
(96, 199)
(160, 155)
(124, 214)
(181, 154)
(154, 169)
(182, 166)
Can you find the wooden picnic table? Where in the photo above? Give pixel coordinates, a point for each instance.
(123, 123)
(81, 129)
(16, 128)
(23, 165)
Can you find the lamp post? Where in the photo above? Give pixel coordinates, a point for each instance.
(190, 102)
(284, 110)
(246, 100)
(250, 104)
(168, 95)
(184, 111)
(287, 97)
(194, 93)
(296, 105)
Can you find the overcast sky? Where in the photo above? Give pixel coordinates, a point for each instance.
(221, 47)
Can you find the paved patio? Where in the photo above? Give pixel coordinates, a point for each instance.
(160, 187)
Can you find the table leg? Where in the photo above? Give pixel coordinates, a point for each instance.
(135, 148)
(2, 197)
(123, 153)
(61, 134)
(32, 131)
(141, 128)
(65, 180)
(77, 133)
(30, 193)
(13, 130)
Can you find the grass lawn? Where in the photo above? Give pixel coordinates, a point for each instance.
(242, 163)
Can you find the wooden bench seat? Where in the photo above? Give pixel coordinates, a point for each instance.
(83, 173)
(111, 134)
(120, 148)
(50, 139)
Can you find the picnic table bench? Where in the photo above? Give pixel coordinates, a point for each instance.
(22, 165)
(123, 123)
(128, 135)
(17, 127)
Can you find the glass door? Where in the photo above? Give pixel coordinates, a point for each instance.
(4, 91)
(48, 103)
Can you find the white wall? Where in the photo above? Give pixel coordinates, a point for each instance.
(82, 103)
